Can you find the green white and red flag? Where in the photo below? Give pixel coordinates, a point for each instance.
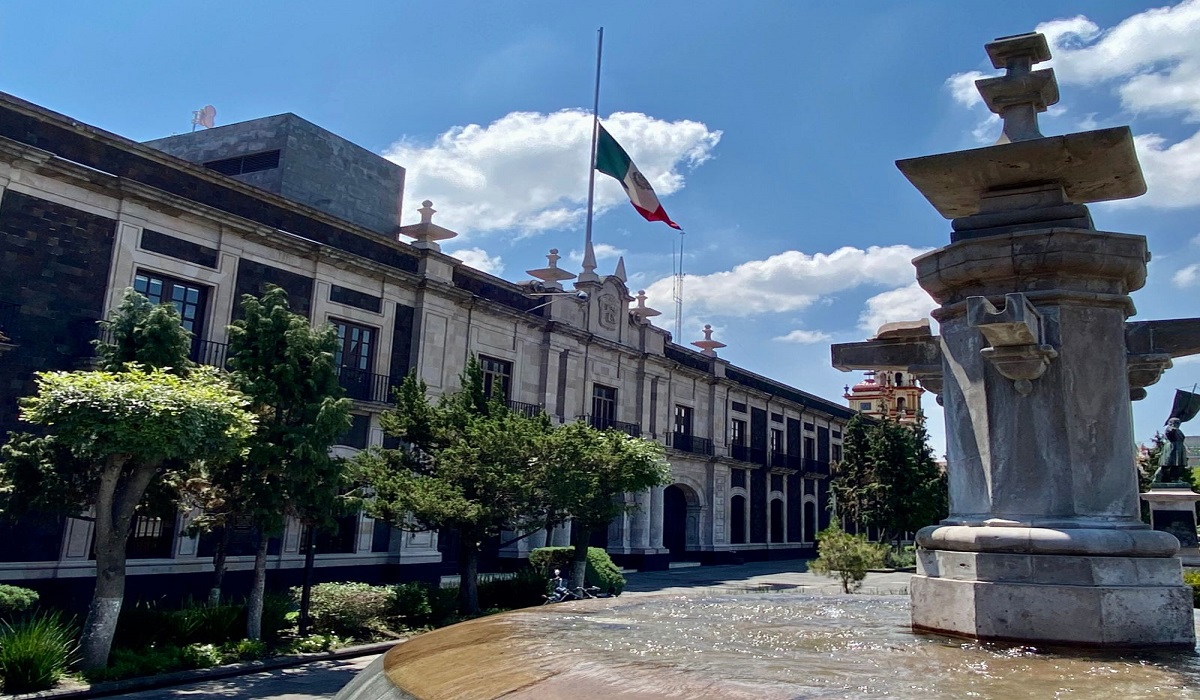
(612, 160)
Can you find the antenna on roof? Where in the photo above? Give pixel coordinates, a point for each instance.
(205, 117)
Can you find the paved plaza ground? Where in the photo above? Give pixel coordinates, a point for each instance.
(322, 679)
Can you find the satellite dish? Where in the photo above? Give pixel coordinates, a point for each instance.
(205, 117)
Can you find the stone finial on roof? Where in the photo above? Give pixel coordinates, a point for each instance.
(552, 275)
(619, 273)
(708, 346)
(426, 232)
(589, 264)
(1019, 94)
(641, 311)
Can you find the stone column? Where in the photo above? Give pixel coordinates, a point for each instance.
(561, 537)
(656, 518)
(639, 530)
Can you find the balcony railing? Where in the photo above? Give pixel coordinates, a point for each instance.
(208, 352)
(8, 320)
(529, 410)
(690, 443)
(361, 385)
(603, 423)
(816, 469)
(745, 453)
(785, 460)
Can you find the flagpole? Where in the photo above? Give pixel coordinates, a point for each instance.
(595, 135)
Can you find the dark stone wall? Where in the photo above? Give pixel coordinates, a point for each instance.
(794, 509)
(179, 249)
(758, 505)
(350, 297)
(55, 262)
(253, 278)
(403, 339)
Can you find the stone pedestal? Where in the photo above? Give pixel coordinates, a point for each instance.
(1044, 541)
(1173, 510)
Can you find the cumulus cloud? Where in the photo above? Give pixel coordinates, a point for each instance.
(603, 251)
(803, 337)
(962, 87)
(527, 171)
(904, 304)
(789, 281)
(1187, 277)
(479, 259)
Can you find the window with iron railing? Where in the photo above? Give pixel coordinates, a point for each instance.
(497, 377)
(604, 405)
(355, 358)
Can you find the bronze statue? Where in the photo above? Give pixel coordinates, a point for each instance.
(1173, 461)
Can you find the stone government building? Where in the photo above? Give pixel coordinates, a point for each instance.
(200, 219)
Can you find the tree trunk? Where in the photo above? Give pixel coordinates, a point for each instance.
(310, 558)
(116, 505)
(214, 593)
(579, 559)
(468, 575)
(254, 606)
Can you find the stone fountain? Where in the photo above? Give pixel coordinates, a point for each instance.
(1035, 366)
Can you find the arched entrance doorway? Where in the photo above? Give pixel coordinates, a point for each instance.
(681, 520)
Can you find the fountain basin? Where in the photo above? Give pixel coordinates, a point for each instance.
(762, 646)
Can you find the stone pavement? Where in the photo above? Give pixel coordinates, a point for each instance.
(322, 679)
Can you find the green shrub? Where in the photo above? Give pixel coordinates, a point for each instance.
(202, 655)
(276, 616)
(15, 600)
(204, 623)
(409, 604)
(601, 571)
(35, 653)
(443, 605)
(1191, 577)
(348, 609)
(245, 650)
(846, 557)
(519, 591)
(901, 558)
(317, 642)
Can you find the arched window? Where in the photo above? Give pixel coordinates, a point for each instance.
(737, 520)
(777, 520)
(900, 404)
(899, 379)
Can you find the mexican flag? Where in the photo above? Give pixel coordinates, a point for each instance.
(612, 160)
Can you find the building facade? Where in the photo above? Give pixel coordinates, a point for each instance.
(85, 214)
(887, 394)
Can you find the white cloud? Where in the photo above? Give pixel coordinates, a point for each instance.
(962, 87)
(603, 251)
(479, 259)
(789, 281)
(1187, 277)
(528, 170)
(904, 304)
(803, 337)
(1172, 171)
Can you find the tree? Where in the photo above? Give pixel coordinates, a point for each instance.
(285, 367)
(467, 465)
(587, 471)
(145, 333)
(848, 557)
(110, 436)
(888, 478)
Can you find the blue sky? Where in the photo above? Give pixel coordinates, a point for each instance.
(770, 130)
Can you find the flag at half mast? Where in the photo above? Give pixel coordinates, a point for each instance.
(612, 160)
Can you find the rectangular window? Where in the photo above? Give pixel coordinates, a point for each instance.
(356, 346)
(188, 298)
(837, 453)
(777, 482)
(739, 407)
(357, 435)
(604, 405)
(810, 448)
(683, 420)
(776, 417)
(240, 165)
(864, 405)
(777, 441)
(737, 478)
(497, 378)
(739, 432)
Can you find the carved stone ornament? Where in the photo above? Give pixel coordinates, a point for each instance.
(609, 311)
(1015, 336)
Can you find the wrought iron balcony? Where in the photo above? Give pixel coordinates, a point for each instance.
(603, 423)
(690, 443)
(785, 460)
(745, 453)
(207, 352)
(529, 410)
(361, 385)
(816, 469)
(8, 321)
